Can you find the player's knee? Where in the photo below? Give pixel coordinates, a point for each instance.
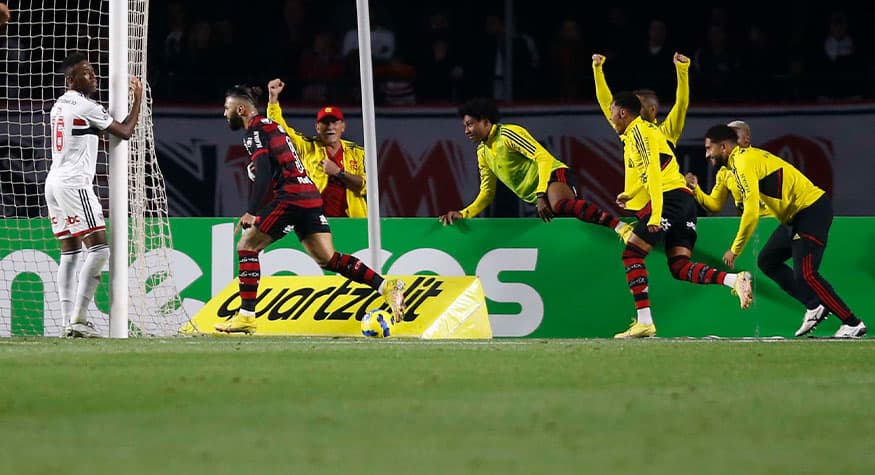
(678, 266)
(800, 281)
(631, 251)
(765, 262)
(323, 261)
(99, 253)
(245, 244)
(95, 260)
(558, 191)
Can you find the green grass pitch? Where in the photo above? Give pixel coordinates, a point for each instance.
(261, 405)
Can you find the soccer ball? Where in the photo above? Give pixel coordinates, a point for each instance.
(378, 324)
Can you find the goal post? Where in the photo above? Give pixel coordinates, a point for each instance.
(118, 168)
(138, 296)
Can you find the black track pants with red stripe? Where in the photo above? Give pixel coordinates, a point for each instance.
(804, 240)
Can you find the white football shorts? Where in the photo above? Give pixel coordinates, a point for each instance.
(73, 212)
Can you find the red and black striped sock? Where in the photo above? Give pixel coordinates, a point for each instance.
(682, 268)
(354, 270)
(585, 211)
(249, 273)
(636, 275)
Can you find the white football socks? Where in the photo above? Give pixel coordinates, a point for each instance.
(89, 277)
(67, 279)
(644, 316)
(729, 280)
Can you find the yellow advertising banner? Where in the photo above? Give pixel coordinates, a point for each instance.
(437, 307)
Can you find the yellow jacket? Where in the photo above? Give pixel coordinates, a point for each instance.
(671, 127)
(651, 167)
(312, 152)
(725, 183)
(763, 176)
(510, 154)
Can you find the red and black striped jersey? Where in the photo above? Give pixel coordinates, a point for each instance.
(290, 181)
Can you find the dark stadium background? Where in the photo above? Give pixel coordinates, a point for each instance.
(772, 54)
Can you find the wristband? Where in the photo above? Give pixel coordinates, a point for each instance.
(340, 174)
(540, 195)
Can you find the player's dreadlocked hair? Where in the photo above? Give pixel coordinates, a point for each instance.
(481, 108)
(250, 94)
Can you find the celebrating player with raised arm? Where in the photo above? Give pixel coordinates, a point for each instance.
(669, 214)
(671, 127)
(74, 210)
(297, 205)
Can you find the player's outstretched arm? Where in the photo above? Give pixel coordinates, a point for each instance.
(275, 113)
(712, 202)
(673, 126)
(125, 129)
(748, 186)
(602, 91)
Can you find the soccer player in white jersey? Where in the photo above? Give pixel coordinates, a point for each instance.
(74, 210)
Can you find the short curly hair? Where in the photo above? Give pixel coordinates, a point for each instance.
(72, 60)
(481, 108)
(628, 100)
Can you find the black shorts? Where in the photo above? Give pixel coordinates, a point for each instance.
(565, 175)
(678, 226)
(280, 217)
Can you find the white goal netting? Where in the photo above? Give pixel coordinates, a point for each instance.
(32, 48)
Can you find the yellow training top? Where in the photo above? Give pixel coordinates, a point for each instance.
(651, 167)
(713, 202)
(671, 127)
(761, 175)
(511, 155)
